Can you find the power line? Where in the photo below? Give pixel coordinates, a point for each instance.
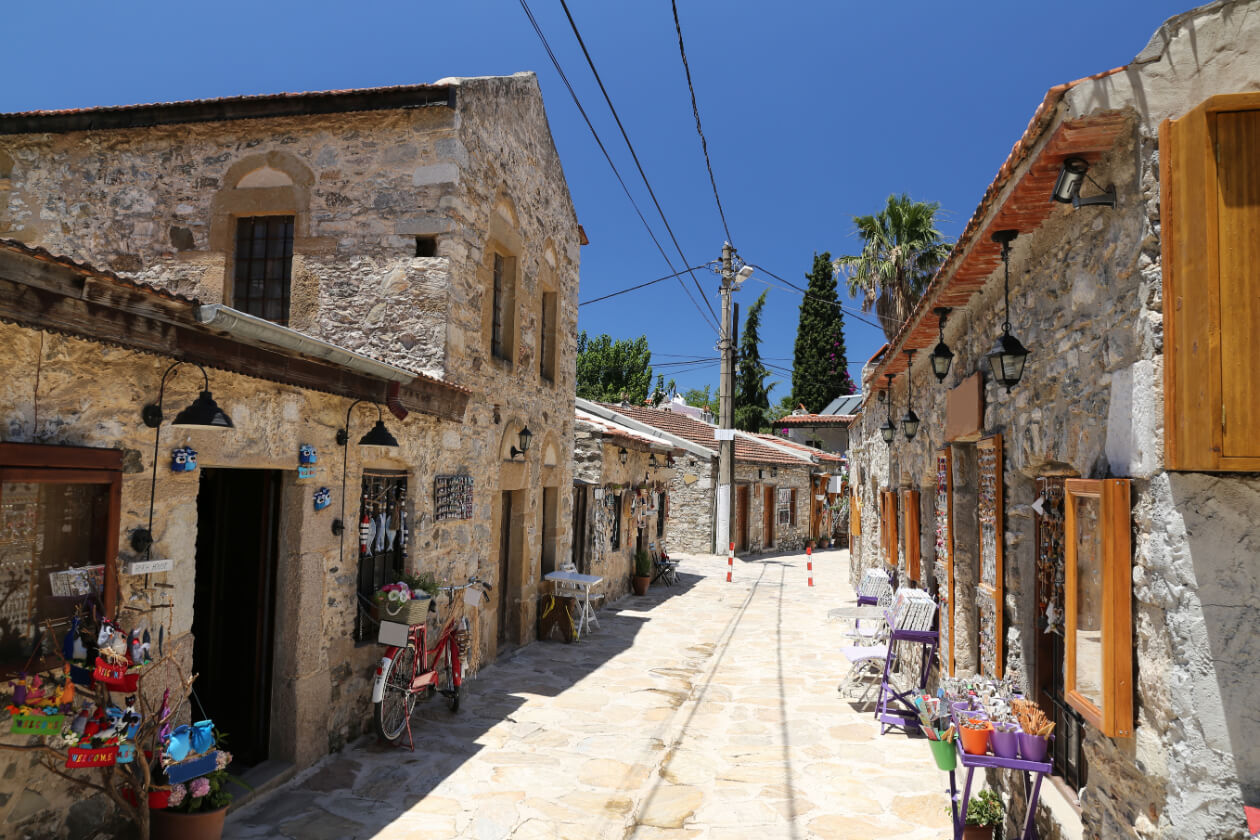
(640, 286)
(555, 62)
(633, 153)
(696, 110)
(855, 313)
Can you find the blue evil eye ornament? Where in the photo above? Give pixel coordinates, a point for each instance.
(184, 459)
(323, 498)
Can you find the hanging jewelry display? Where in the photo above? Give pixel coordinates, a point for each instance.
(989, 589)
(944, 566)
(452, 497)
(1050, 562)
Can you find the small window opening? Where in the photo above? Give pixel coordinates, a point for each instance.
(426, 246)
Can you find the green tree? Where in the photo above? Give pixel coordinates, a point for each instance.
(609, 370)
(901, 251)
(752, 395)
(701, 398)
(820, 366)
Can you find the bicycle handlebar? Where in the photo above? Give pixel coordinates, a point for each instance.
(472, 581)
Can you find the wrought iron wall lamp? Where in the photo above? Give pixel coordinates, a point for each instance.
(1007, 356)
(909, 423)
(942, 356)
(378, 435)
(203, 413)
(888, 430)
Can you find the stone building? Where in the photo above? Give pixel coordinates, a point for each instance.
(827, 430)
(424, 229)
(620, 499)
(1124, 458)
(773, 484)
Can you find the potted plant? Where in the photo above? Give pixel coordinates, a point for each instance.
(642, 571)
(984, 812)
(195, 811)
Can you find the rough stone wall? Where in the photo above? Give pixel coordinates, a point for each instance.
(67, 392)
(1086, 298)
(692, 496)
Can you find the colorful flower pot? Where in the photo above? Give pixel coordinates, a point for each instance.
(943, 752)
(1033, 747)
(975, 741)
(1005, 742)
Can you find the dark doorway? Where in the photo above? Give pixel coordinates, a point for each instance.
(550, 528)
(511, 562)
(742, 494)
(579, 527)
(238, 514)
(767, 514)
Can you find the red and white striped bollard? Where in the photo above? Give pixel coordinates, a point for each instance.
(809, 562)
(730, 563)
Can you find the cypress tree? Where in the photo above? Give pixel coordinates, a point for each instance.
(752, 396)
(820, 368)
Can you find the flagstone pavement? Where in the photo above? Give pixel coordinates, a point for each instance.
(702, 710)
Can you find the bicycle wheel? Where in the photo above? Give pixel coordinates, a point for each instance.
(446, 676)
(391, 713)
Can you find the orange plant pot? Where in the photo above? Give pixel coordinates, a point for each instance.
(975, 741)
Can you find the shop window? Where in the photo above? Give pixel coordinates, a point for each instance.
(264, 261)
(792, 509)
(615, 540)
(383, 526)
(910, 532)
(1210, 211)
(59, 515)
(503, 307)
(1097, 593)
(1069, 758)
(547, 337)
(784, 506)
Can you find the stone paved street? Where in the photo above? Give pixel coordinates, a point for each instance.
(703, 710)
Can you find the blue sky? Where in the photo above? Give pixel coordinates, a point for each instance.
(814, 111)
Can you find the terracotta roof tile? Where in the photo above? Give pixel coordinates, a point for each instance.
(814, 420)
(696, 431)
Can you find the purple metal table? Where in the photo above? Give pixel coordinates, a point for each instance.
(896, 708)
(1033, 772)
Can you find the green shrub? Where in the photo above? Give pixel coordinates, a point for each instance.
(642, 563)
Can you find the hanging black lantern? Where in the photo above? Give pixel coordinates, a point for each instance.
(888, 430)
(1007, 356)
(942, 356)
(909, 423)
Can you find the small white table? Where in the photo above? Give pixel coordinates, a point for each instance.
(586, 614)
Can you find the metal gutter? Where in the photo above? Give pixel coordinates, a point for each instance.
(249, 329)
(629, 422)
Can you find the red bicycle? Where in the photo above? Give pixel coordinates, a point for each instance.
(414, 671)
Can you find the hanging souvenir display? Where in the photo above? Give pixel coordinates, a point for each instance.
(989, 589)
(1050, 553)
(452, 497)
(944, 567)
(307, 458)
(183, 459)
(323, 498)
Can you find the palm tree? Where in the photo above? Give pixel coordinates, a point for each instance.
(901, 251)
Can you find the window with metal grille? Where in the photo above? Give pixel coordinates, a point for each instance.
(616, 521)
(264, 260)
(784, 505)
(382, 535)
(660, 515)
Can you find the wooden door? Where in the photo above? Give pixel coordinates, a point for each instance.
(888, 526)
(910, 532)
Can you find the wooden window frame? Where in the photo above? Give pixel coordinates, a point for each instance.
(1194, 399)
(52, 464)
(910, 532)
(1115, 718)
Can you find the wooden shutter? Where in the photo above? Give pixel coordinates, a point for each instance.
(888, 526)
(910, 531)
(1210, 213)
